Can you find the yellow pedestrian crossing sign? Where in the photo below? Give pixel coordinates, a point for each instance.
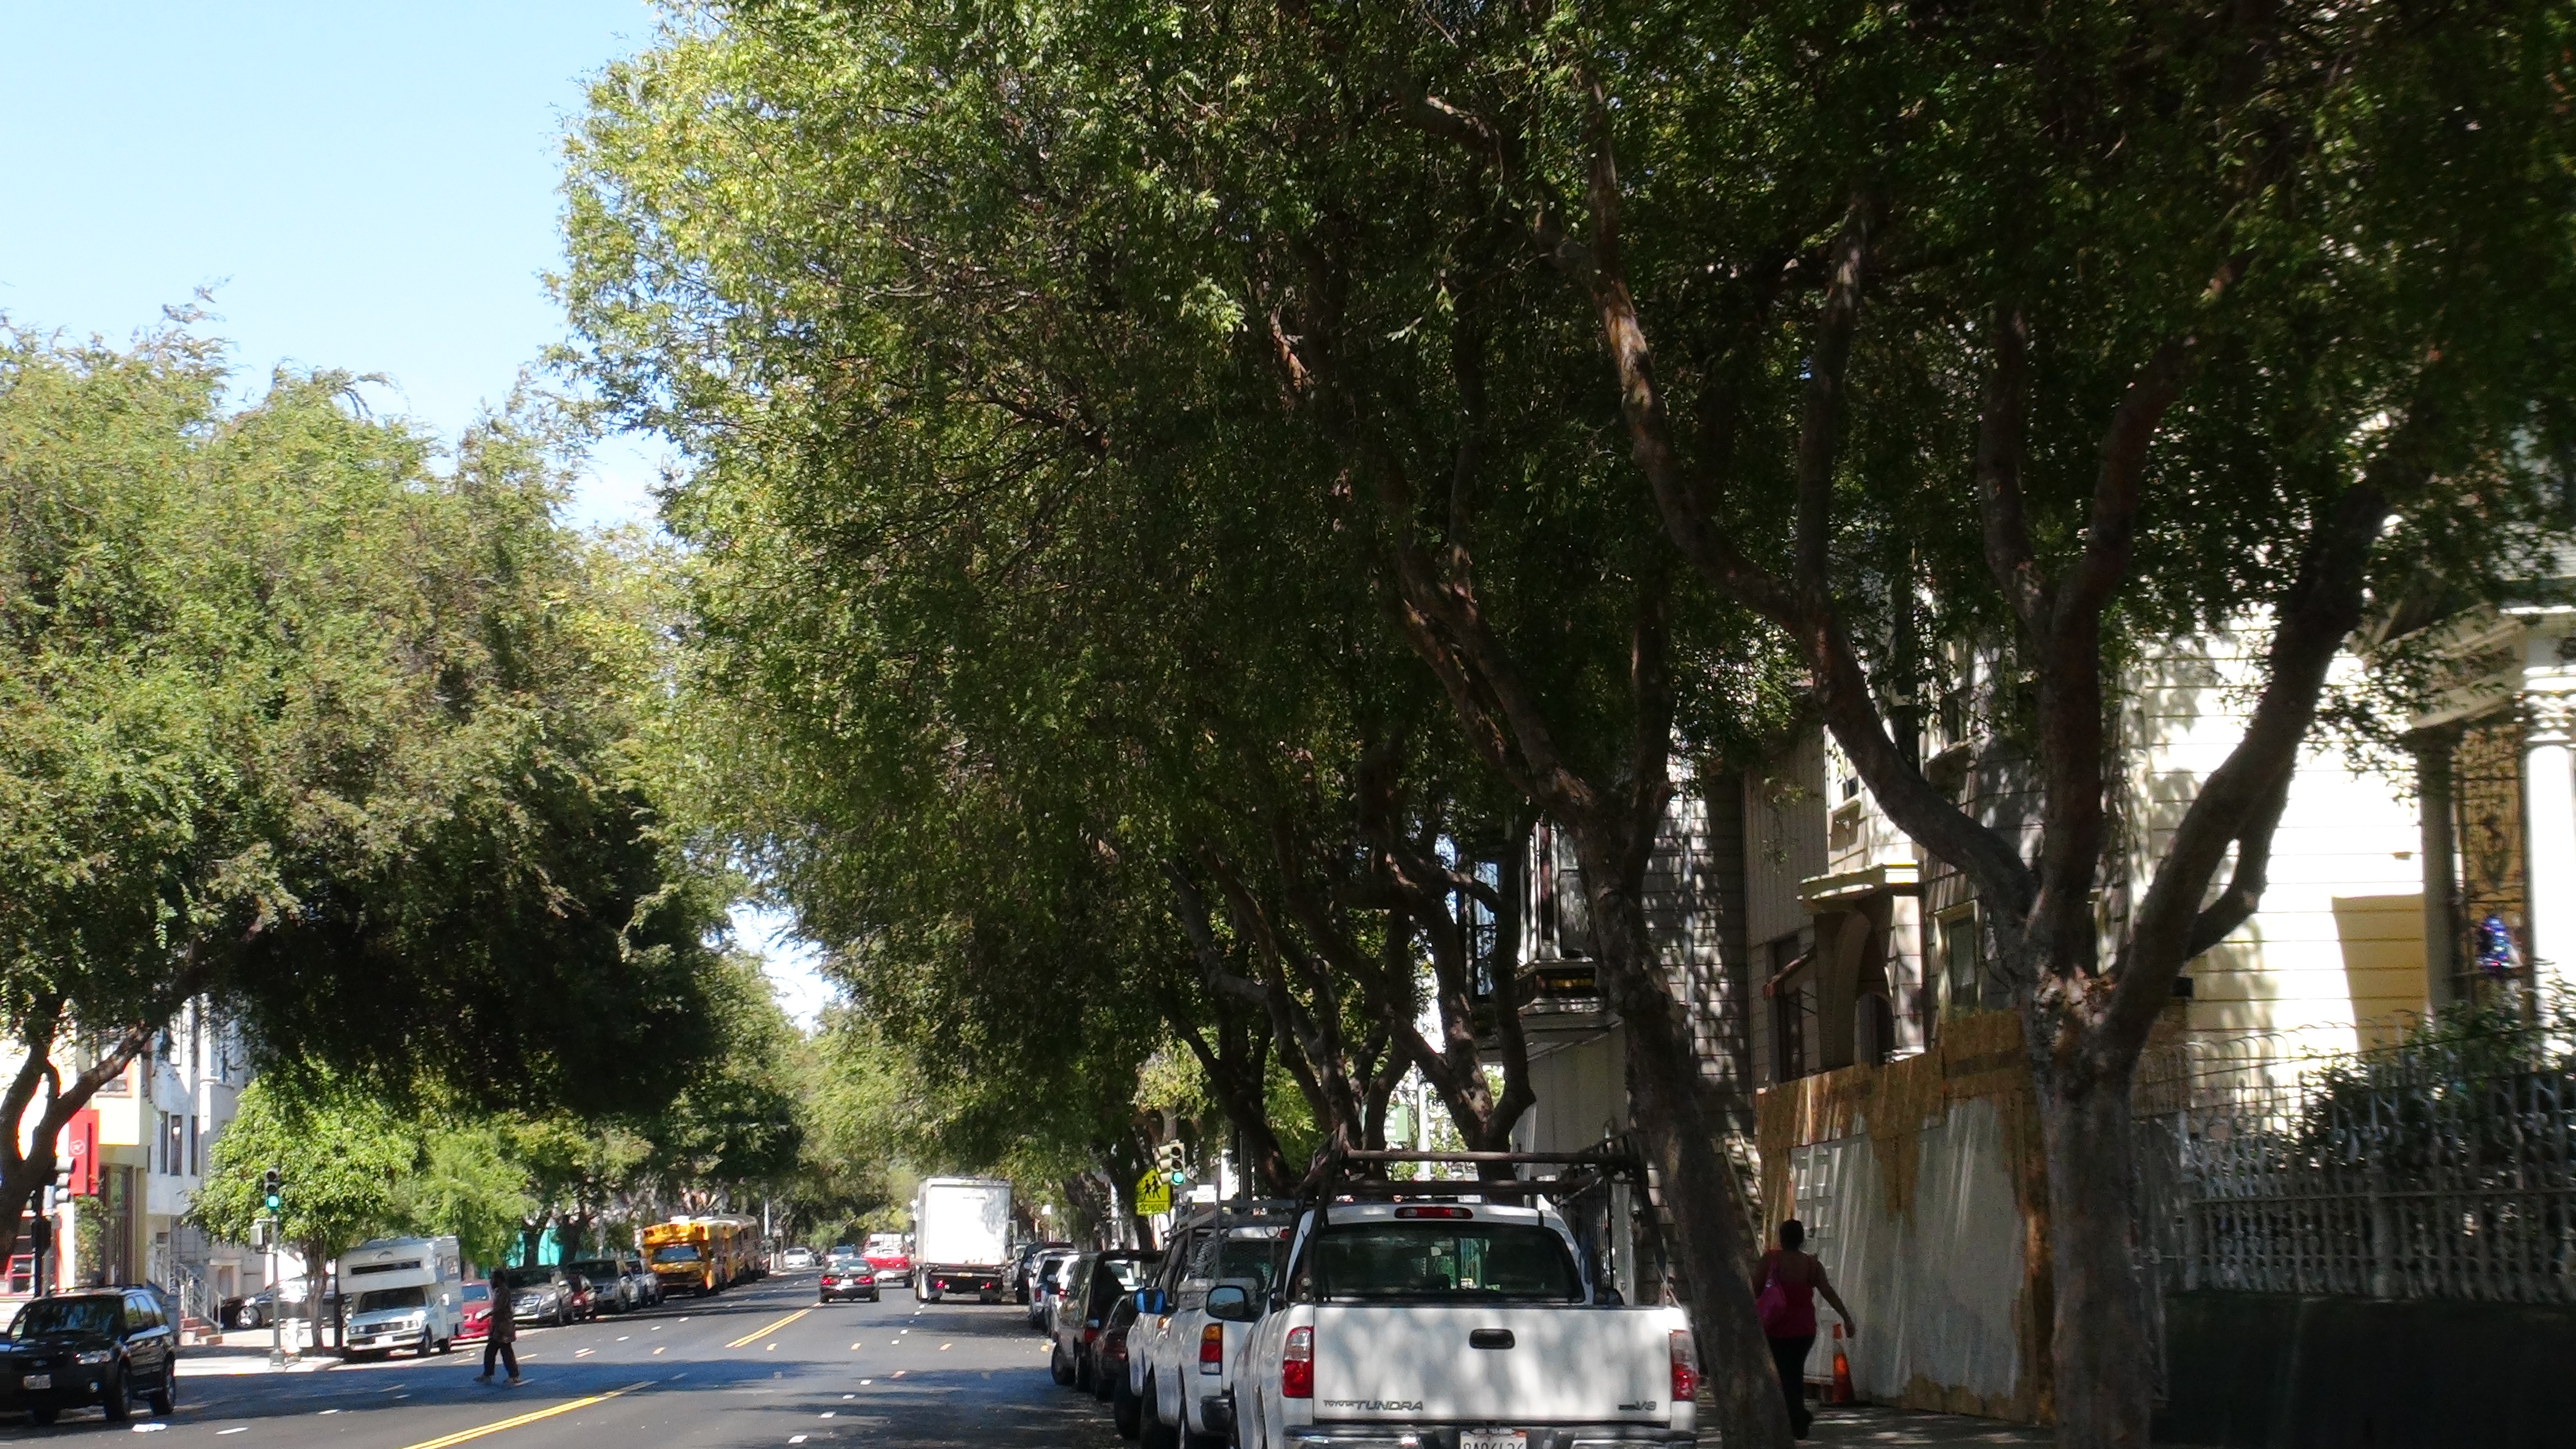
(1153, 1195)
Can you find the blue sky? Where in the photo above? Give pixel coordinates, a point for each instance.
(367, 186)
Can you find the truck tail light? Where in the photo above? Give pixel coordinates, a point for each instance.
(1297, 1365)
(1212, 1348)
(1685, 1367)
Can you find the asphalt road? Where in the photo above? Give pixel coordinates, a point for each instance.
(758, 1366)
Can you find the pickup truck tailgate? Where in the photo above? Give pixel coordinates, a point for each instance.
(1510, 1366)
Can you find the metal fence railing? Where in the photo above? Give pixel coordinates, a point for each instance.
(2443, 1167)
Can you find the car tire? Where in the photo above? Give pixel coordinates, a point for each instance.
(112, 1400)
(1059, 1367)
(1100, 1384)
(165, 1399)
(1122, 1409)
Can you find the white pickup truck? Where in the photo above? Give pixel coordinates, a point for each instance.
(1456, 1324)
(1179, 1359)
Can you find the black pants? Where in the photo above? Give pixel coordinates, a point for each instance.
(508, 1355)
(1789, 1356)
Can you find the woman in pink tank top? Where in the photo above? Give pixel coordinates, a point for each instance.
(1785, 1289)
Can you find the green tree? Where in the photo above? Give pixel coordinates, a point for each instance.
(297, 716)
(1614, 329)
(341, 1159)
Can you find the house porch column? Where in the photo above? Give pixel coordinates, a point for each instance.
(2549, 820)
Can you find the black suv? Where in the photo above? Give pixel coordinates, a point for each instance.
(103, 1346)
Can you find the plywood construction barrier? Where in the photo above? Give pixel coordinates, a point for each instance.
(1923, 1190)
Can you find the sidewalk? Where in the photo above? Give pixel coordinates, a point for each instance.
(1870, 1424)
(197, 1361)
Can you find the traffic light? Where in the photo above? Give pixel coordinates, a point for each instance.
(40, 1236)
(1173, 1159)
(268, 1186)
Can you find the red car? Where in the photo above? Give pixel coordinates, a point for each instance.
(886, 1258)
(475, 1319)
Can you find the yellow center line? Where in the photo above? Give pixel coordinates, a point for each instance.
(769, 1328)
(461, 1435)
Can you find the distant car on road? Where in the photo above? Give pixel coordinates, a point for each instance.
(474, 1319)
(848, 1279)
(1024, 1267)
(1046, 1280)
(260, 1309)
(611, 1290)
(797, 1259)
(887, 1257)
(547, 1295)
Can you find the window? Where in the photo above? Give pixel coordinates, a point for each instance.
(1482, 1262)
(196, 1147)
(1793, 1010)
(1962, 964)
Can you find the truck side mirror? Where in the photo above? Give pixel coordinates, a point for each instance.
(1229, 1302)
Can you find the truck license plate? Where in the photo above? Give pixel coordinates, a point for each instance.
(37, 1381)
(1497, 1439)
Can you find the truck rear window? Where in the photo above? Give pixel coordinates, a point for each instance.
(1480, 1262)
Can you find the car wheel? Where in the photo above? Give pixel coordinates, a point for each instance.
(1100, 1383)
(165, 1400)
(111, 1396)
(1122, 1408)
(1059, 1367)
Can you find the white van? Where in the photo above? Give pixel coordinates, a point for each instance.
(402, 1293)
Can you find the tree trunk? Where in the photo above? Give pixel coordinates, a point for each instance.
(1708, 1232)
(2104, 1355)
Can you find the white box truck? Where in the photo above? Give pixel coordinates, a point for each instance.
(402, 1293)
(961, 1235)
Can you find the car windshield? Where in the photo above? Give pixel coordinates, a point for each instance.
(478, 1293)
(1128, 1271)
(1248, 1260)
(676, 1253)
(595, 1268)
(67, 1315)
(1477, 1261)
(377, 1300)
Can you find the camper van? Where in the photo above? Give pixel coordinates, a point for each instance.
(402, 1293)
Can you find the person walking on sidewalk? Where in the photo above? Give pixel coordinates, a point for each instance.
(1786, 1298)
(504, 1330)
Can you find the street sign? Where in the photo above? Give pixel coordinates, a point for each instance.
(1153, 1195)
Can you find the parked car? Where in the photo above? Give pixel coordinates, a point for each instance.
(1047, 1282)
(612, 1291)
(260, 1309)
(848, 1279)
(1099, 1281)
(1024, 1267)
(547, 1294)
(648, 1287)
(1399, 1318)
(887, 1257)
(1177, 1346)
(107, 1347)
(796, 1259)
(474, 1317)
(1109, 1376)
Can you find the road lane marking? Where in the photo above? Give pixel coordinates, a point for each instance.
(462, 1435)
(663, 1349)
(767, 1329)
(237, 1429)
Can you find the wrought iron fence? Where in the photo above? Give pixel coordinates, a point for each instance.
(2442, 1167)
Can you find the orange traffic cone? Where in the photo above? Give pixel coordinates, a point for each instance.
(1842, 1369)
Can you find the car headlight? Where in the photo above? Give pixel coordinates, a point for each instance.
(96, 1356)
